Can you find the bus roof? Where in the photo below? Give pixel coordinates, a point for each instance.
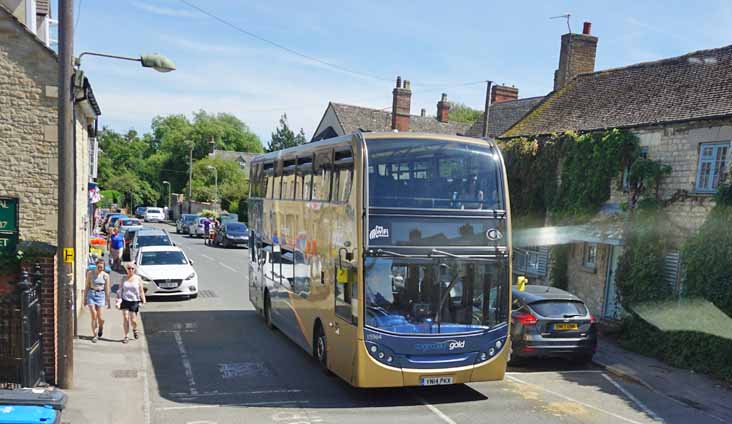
(335, 141)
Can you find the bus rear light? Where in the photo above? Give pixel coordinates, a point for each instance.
(525, 318)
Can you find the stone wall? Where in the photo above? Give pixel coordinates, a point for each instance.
(586, 283)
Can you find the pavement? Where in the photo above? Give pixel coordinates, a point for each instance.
(681, 386)
(211, 360)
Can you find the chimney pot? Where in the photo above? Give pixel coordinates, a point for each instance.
(587, 28)
(443, 109)
(399, 82)
(423, 112)
(406, 84)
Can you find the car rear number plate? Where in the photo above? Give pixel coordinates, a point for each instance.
(565, 327)
(435, 381)
(168, 285)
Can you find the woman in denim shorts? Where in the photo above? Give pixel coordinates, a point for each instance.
(97, 297)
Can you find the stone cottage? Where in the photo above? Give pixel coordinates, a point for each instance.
(29, 143)
(681, 110)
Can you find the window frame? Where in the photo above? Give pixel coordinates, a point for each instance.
(587, 248)
(268, 170)
(716, 146)
(345, 162)
(323, 159)
(289, 169)
(304, 171)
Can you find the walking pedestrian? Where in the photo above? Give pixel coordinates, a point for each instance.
(132, 293)
(116, 246)
(96, 297)
(206, 231)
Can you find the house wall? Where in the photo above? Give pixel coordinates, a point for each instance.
(329, 120)
(588, 284)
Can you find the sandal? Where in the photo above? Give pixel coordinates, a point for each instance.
(94, 339)
(134, 333)
(126, 339)
(101, 331)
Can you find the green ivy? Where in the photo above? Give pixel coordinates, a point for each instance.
(559, 266)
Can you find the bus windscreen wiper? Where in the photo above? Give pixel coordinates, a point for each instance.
(400, 255)
(474, 257)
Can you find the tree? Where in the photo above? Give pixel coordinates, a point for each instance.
(283, 137)
(460, 112)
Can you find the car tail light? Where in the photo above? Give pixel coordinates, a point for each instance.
(593, 320)
(525, 318)
(528, 349)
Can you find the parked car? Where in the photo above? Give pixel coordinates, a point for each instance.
(550, 322)
(184, 222)
(232, 234)
(124, 224)
(129, 237)
(112, 221)
(154, 215)
(140, 212)
(197, 227)
(149, 237)
(166, 271)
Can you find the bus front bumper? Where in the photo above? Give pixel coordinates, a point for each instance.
(373, 374)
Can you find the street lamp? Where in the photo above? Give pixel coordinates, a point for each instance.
(216, 179)
(156, 61)
(190, 173)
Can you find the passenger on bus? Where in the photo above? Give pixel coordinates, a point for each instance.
(471, 196)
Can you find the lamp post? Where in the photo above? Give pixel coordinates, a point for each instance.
(190, 173)
(66, 235)
(169, 204)
(216, 180)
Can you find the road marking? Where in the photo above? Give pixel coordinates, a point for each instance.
(146, 406)
(207, 257)
(434, 409)
(227, 266)
(275, 402)
(630, 396)
(186, 362)
(255, 392)
(554, 372)
(612, 414)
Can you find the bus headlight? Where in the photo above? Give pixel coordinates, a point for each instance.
(499, 344)
(381, 354)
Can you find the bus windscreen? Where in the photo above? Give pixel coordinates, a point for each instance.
(433, 174)
(433, 296)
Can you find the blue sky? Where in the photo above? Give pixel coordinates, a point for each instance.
(435, 44)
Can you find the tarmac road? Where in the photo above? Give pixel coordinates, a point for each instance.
(212, 360)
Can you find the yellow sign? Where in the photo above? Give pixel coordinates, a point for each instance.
(69, 255)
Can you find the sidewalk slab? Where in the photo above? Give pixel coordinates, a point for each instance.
(682, 386)
(110, 380)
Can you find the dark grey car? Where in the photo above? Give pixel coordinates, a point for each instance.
(550, 322)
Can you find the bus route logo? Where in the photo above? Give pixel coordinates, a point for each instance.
(448, 345)
(378, 232)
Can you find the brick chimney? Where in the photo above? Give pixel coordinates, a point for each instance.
(576, 56)
(503, 93)
(443, 109)
(400, 108)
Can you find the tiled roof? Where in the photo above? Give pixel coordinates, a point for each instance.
(231, 155)
(356, 118)
(502, 115)
(697, 85)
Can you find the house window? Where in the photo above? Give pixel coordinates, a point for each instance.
(712, 166)
(589, 257)
(531, 260)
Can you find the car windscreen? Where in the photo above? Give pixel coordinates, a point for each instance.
(153, 210)
(559, 308)
(129, 222)
(153, 240)
(236, 228)
(163, 258)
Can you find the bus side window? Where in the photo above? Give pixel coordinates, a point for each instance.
(322, 177)
(304, 178)
(343, 176)
(277, 181)
(288, 179)
(268, 180)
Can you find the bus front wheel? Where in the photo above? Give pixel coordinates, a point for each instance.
(268, 312)
(320, 348)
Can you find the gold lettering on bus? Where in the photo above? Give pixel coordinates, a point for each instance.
(3, 224)
(3, 242)
(4, 204)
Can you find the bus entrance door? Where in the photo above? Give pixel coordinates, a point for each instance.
(343, 332)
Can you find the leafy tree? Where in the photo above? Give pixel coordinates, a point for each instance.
(460, 112)
(283, 137)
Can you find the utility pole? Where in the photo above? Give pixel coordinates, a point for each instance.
(66, 194)
(488, 86)
(190, 176)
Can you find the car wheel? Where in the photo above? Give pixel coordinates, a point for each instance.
(320, 349)
(268, 312)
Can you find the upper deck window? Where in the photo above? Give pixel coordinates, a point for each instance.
(433, 174)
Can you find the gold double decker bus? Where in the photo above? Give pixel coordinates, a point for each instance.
(386, 256)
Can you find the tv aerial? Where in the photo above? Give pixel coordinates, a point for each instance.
(565, 16)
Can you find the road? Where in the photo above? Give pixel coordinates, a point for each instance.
(212, 361)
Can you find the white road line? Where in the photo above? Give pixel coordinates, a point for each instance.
(434, 409)
(278, 402)
(554, 372)
(146, 406)
(227, 266)
(256, 392)
(186, 362)
(612, 414)
(207, 257)
(630, 396)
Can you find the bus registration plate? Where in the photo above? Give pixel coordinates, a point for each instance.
(435, 381)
